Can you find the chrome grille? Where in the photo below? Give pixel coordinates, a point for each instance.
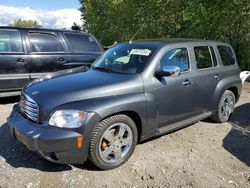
(28, 107)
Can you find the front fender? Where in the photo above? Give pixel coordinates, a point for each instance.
(111, 105)
(107, 106)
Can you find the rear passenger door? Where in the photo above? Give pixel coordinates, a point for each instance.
(84, 49)
(207, 77)
(47, 53)
(13, 72)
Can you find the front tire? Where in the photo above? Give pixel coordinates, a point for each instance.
(113, 141)
(225, 108)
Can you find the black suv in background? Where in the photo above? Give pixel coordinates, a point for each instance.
(29, 53)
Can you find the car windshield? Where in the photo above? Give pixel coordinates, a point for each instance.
(125, 59)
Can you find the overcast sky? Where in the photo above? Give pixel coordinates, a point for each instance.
(48, 13)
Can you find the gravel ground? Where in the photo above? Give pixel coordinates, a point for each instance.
(205, 154)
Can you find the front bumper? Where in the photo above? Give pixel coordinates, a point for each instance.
(54, 144)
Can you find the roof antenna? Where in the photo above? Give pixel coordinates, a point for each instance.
(136, 34)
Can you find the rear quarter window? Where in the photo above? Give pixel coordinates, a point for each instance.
(82, 43)
(226, 55)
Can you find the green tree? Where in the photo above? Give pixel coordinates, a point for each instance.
(118, 20)
(26, 23)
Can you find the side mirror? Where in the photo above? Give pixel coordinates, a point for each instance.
(168, 70)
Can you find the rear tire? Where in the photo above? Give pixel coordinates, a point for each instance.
(225, 108)
(112, 142)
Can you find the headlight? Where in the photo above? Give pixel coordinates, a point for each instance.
(68, 118)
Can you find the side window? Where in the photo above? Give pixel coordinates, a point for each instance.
(43, 42)
(226, 55)
(10, 41)
(82, 43)
(177, 57)
(203, 57)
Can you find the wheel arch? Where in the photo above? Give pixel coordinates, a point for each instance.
(134, 116)
(235, 91)
(232, 84)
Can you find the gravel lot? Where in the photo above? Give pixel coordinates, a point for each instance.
(205, 154)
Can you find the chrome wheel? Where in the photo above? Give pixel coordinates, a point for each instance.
(227, 107)
(115, 143)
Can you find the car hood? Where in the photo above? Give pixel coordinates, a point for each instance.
(80, 84)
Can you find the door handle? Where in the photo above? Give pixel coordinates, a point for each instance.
(186, 83)
(61, 59)
(21, 60)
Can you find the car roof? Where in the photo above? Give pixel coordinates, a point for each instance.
(41, 29)
(164, 42)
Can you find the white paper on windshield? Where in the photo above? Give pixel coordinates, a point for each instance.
(144, 52)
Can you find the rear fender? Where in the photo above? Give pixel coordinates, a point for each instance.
(222, 86)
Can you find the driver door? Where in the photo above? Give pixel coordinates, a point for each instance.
(175, 95)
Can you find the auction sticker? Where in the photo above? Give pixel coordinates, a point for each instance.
(144, 52)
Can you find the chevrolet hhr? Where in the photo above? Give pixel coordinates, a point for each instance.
(132, 92)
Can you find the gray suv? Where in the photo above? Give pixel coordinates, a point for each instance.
(134, 91)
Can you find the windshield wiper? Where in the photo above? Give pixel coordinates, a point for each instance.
(103, 69)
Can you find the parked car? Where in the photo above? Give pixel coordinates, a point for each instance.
(134, 91)
(29, 53)
(245, 76)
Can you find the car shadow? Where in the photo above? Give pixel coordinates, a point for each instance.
(237, 141)
(17, 155)
(9, 100)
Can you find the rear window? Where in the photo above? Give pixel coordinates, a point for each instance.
(10, 41)
(45, 42)
(82, 43)
(226, 55)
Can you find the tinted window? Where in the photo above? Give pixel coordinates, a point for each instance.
(177, 57)
(10, 41)
(203, 57)
(227, 55)
(42, 42)
(82, 43)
